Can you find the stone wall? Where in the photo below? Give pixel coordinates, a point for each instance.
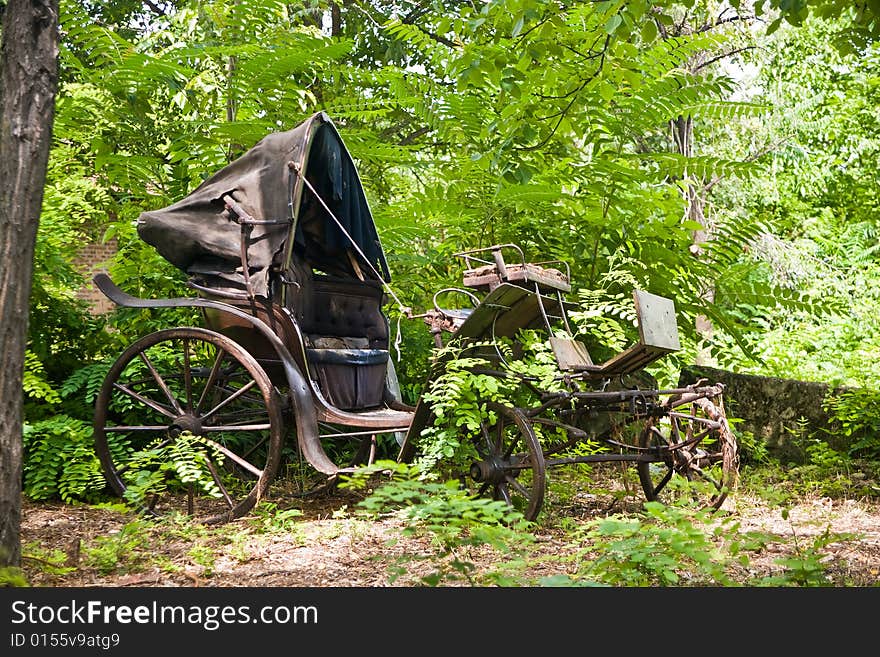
(771, 408)
(91, 259)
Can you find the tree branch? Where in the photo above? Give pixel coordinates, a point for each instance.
(712, 60)
(721, 21)
(156, 9)
(568, 106)
(751, 158)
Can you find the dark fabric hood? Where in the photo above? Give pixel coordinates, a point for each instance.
(197, 235)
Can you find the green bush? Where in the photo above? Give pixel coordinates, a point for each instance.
(455, 522)
(856, 412)
(60, 461)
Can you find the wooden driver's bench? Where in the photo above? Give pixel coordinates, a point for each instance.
(658, 329)
(658, 336)
(485, 275)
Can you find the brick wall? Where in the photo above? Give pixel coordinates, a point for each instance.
(91, 259)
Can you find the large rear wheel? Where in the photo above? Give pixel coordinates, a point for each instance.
(188, 421)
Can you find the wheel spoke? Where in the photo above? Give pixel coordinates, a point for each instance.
(662, 483)
(161, 383)
(187, 375)
(499, 437)
(706, 476)
(234, 457)
(233, 396)
(241, 417)
(501, 489)
(484, 432)
(656, 431)
(216, 476)
(513, 481)
(212, 377)
(675, 433)
(156, 406)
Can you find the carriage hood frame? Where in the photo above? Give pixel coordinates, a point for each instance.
(301, 199)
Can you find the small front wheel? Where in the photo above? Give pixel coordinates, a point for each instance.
(510, 464)
(188, 421)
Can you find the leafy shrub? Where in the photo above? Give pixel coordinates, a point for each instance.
(183, 461)
(60, 461)
(124, 551)
(455, 521)
(670, 546)
(471, 375)
(856, 412)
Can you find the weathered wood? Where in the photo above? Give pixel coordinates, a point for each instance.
(658, 325)
(28, 84)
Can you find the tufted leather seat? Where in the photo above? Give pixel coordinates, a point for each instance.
(346, 308)
(346, 335)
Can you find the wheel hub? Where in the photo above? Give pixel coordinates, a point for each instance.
(492, 470)
(186, 422)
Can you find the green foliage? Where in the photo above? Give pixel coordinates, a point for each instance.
(860, 23)
(826, 472)
(12, 577)
(807, 567)
(819, 214)
(34, 383)
(86, 382)
(458, 398)
(52, 561)
(125, 551)
(752, 449)
(203, 556)
(269, 518)
(469, 375)
(453, 520)
(856, 412)
(670, 546)
(60, 461)
(162, 467)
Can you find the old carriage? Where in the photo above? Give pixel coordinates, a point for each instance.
(290, 366)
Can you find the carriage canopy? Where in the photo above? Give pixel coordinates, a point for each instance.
(277, 183)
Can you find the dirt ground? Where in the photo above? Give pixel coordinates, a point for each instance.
(327, 544)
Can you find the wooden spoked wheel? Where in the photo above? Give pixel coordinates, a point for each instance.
(510, 464)
(697, 455)
(187, 421)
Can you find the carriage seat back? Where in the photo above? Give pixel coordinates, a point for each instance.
(345, 335)
(346, 308)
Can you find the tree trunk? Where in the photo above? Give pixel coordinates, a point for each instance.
(683, 136)
(28, 82)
